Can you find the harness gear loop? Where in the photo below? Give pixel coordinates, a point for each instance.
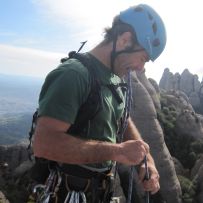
(68, 188)
(44, 192)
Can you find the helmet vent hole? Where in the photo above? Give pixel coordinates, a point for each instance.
(156, 42)
(154, 28)
(138, 9)
(150, 16)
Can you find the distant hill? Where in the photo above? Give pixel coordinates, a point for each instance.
(15, 128)
(18, 93)
(18, 101)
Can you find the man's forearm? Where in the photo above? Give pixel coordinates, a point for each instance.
(131, 132)
(65, 148)
(52, 142)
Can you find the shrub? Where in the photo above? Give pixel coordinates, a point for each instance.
(197, 146)
(188, 190)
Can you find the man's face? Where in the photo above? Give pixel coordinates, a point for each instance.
(133, 61)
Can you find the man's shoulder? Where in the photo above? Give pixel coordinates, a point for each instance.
(69, 69)
(73, 65)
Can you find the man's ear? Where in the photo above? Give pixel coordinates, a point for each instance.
(125, 40)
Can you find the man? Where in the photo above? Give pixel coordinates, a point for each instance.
(137, 35)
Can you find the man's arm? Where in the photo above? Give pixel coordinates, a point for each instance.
(52, 142)
(152, 185)
(132, 133)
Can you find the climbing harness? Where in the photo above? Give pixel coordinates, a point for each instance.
(49, 190)
(74, 197)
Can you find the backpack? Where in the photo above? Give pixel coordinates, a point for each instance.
(89, 108)
(87, 111)
(92, 105)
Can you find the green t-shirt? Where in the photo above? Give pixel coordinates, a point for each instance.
(68, 86)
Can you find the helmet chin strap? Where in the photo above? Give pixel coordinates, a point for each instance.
(115, 53)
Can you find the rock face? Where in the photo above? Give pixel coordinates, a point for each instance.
(178, 167)
(3, 198)
(185, 114)
(13, 155)
(153, 90)
(195, 129)
(184, 93)
(10, 159)
(145, 117)
(200, 184)
(197, 174)
(187, 83)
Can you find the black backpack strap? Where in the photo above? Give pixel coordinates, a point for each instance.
(31, 132)
(93, 104)
(113, 89)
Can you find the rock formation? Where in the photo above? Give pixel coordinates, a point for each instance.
(184, 114)
(3, 198)
(145, 117)
(187, 83)
(13, 156)
(153, 90)
(197, 174)
(178, 167)
(184, 94)
(10, 159)
(195, 127)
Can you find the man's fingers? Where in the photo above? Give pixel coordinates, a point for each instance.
(152, 184)
(146, 146)
(153, 188)
(142, 172)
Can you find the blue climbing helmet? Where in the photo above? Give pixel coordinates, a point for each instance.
(148, 27)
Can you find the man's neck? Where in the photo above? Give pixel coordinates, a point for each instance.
(103, 54)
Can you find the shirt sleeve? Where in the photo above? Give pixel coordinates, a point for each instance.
(65, 95)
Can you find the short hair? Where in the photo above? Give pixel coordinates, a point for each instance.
(118, 28)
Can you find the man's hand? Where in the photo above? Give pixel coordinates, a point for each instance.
(151, 185)
(132, 152)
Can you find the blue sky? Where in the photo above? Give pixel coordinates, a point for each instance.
(24, 24)
(35, 34)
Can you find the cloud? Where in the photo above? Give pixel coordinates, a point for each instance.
(88, 11)
(79, 20)
(79, 15)
(24, 61)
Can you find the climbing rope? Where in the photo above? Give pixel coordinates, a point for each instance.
(126, 116)
(128, 102)
(146, 177)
